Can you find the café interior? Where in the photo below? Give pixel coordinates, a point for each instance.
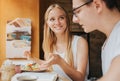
(34, 10)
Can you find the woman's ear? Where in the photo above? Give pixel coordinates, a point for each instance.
(98, 4)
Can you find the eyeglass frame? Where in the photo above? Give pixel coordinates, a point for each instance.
(80, 7)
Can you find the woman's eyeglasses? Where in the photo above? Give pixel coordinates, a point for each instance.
(74, 13)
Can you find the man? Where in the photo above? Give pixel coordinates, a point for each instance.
(102, 15)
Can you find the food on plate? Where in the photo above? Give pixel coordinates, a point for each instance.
(30, 67)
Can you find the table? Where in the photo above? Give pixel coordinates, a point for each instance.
(42, 76)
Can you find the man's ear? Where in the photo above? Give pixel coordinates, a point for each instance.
(98, 4)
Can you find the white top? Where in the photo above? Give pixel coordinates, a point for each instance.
(58, 69)
(111, 48)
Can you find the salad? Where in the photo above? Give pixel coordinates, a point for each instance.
(30, 67)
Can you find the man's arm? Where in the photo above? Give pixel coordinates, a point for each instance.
(113, 73)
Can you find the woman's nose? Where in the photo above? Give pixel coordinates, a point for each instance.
(57, 22)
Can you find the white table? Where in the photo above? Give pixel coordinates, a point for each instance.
(42, 76)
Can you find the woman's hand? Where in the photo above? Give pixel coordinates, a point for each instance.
(53, 59)
(27, 54)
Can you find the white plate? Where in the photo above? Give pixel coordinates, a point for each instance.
(34, 71)
(27, 78)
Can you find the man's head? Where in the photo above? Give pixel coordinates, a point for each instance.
(90, 13)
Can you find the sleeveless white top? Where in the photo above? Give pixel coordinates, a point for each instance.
(111, 48)
(57, 68)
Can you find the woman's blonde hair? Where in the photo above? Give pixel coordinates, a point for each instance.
(49, 40)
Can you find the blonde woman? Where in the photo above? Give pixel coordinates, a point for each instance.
(67, 54)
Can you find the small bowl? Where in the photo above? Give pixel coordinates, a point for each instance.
(27, 78)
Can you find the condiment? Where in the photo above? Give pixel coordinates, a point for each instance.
(7, 70)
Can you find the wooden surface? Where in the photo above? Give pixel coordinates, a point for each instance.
(0, 76)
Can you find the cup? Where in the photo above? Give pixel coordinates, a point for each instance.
(17, 69)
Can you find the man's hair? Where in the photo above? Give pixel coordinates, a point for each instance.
(112, 4)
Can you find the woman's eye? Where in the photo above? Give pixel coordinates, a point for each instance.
(62, 18)
(52, 19)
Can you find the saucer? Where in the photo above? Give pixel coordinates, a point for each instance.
(27, 78)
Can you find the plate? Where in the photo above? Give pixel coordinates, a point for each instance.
(32, 67)
(27, 78)
(34, 71)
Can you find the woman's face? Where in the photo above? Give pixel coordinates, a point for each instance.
(57, 21)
